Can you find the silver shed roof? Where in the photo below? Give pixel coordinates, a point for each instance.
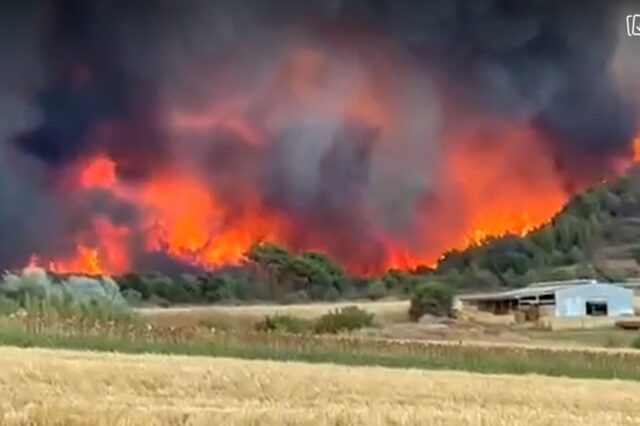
(516, 294)
(533, 290)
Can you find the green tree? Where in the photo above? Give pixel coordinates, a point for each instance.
(433, 298)
(267, 254)
(397, 281)
(219, 288)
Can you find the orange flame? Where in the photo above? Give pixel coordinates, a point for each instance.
(100, 172)
(493, 184)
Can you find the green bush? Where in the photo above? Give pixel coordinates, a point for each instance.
(221, 288)
(295, 297)
(376, 290)
(281, 323)
(432, 298)
(344, 319)
(397, 281)
(330, 294)
(635, 343)
(133, 297)
(39, 294)
(8, 306)
(137, 283)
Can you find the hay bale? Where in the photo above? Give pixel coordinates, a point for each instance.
(628, 324)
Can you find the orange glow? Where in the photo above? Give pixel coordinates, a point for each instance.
(185, 219)
(109, 255)
(487, 184)
(100, 172)
(86, 261)
(183, 214)
(502, 198)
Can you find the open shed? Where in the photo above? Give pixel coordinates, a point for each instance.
(570, 299)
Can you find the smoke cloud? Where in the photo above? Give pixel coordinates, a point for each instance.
(369, 129)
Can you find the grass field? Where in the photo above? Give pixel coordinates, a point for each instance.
(343, 350)
(43, 387)
(392, 321)
(245, 316)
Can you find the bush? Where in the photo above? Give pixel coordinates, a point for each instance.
(344, 319)
(37, 292)
(137, 283)
(396, 281)
(281, 323)
(294, 297)
(331, 294)
(376, 290)
(635, 343)
(221, 288)
(133, 297)
(8, 306)
(431, 298)
(158, 301)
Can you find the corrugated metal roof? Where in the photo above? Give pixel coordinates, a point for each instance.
(532, 291)
(515, 294)
(563, 283)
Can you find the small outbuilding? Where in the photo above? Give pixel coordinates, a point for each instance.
(563, 299)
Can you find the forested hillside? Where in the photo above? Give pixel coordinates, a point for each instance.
(597, 235)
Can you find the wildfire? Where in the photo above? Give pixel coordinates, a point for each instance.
(99, 172)
(502, 200)
(490, 182)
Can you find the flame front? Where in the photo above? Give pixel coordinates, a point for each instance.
(312, 162)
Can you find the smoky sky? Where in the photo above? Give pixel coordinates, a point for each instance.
(544, 60)
(93, 76)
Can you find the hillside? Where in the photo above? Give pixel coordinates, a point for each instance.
(596, 235)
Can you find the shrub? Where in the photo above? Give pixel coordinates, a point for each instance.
(344, 319)
(376, 290)
(8, 306)
(432, 298)
(133, 297)
(281, 323)
(398, 281)
(331, 294)
(635, 343)
(135, 282)
(70, 296)
(221, 288)
(156, 300)
(299, 296)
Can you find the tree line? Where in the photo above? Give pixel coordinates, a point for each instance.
(565, 248)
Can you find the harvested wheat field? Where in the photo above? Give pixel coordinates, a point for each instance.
(45, 387)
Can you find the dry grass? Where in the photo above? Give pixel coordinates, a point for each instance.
(246, 316)
(42, 387)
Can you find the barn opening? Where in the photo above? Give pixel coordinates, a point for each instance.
(597, 308)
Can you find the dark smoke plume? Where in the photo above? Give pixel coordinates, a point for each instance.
(86, 77)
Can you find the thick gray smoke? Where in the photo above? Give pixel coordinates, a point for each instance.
(87, 77)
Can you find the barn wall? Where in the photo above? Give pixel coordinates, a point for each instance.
(571, 301)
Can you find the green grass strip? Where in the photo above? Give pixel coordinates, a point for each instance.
(560, 364)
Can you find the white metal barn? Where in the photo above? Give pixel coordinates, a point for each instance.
(559, 299)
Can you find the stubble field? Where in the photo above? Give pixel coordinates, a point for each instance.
(45, 387)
